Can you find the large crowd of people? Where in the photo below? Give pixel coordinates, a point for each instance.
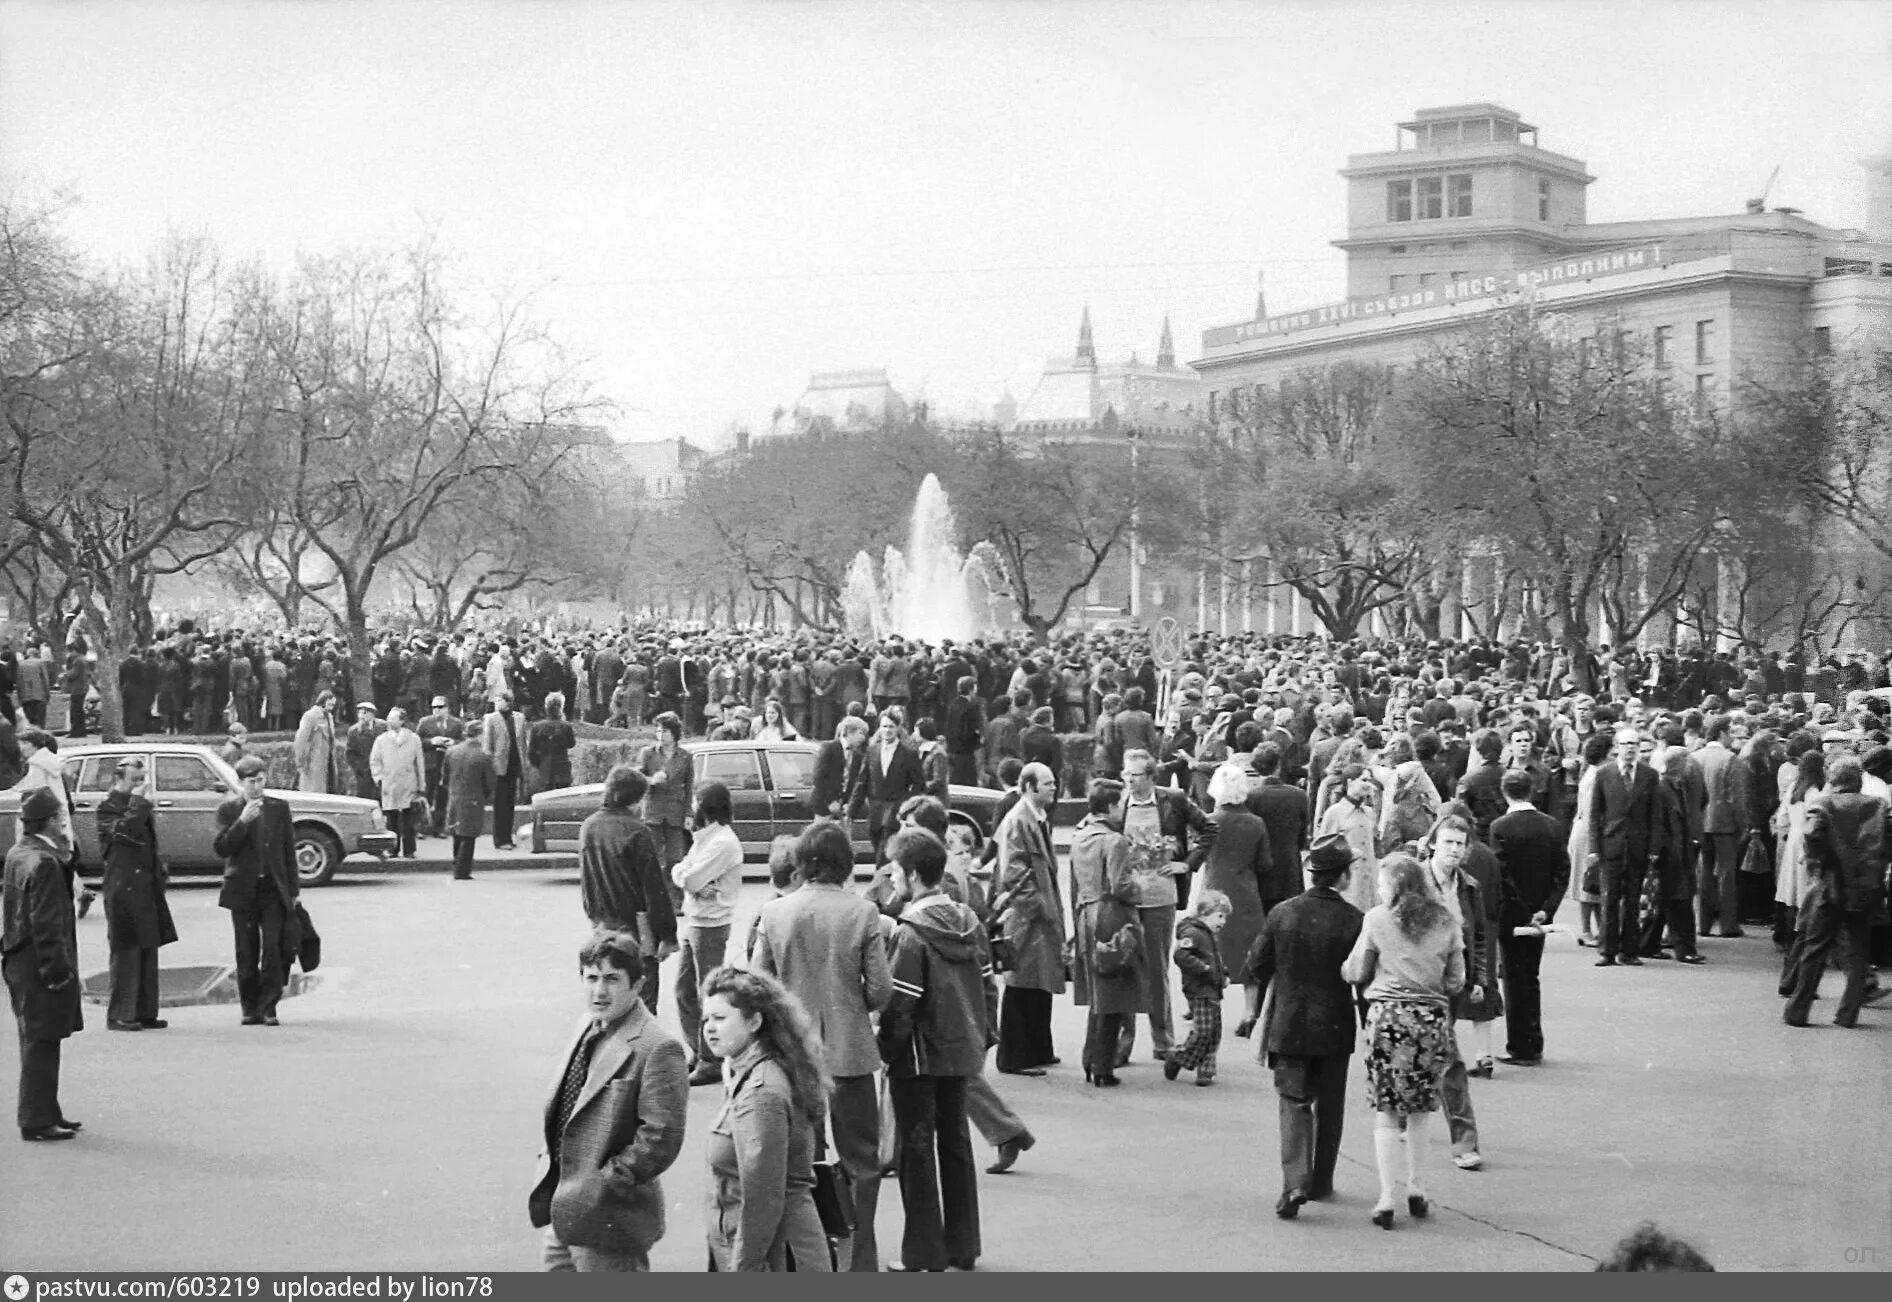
(1368, 839)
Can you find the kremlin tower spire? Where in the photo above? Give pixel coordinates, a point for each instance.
(1166, 347)
(1086, 350)
(1261, 295)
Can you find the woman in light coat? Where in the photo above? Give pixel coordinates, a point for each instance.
(1103, 903)
(761, 1213)
(1801, 784)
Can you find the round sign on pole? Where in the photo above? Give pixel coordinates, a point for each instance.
(1166, 643)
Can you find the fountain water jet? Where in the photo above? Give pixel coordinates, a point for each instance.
(928, 592)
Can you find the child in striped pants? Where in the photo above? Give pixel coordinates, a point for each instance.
(1203, 979)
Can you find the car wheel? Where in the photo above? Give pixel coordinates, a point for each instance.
(318, 855)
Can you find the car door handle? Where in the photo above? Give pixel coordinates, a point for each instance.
(166, 804)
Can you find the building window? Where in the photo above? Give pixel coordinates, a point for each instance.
(1460, 189)
(1664, 341)
(1397, 284)
(1396, 248)
(1704, 342)
(1704, 392)
(1822, 341)
(1847, 267)
(1399, 201)
(1214, 397)
(1431, 197)
(1427, 279)
(1457, 277)
(1543, 199)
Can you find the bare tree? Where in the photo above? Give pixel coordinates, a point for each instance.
(393, 397)
(127, 400)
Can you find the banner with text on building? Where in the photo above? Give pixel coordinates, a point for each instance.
(1588, 266)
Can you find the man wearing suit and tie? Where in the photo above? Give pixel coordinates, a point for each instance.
(892, 774)
(1312, 1020)
(613, 1124)
(839, 765)
(1625, 837)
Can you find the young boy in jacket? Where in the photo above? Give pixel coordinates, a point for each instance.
(933, 1037)
(1203, 980)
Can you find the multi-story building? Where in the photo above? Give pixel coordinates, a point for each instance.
(659, 472)
(1468, 211)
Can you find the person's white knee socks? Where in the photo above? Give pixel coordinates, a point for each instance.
(1386, 1142)
(1481, 1040)
(1418, 1126)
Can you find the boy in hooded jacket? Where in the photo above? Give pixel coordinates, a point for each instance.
(1203, 979)
(933, 1038)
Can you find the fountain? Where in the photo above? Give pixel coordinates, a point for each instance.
(928, 592)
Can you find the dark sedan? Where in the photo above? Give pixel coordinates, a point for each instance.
(769, 783)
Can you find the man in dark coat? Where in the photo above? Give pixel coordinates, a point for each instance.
(1039, 742)
(467, 784)
(437, 732)
(1284, 809)
(1625, 835)
(135, 694)
(39, 938)
(257, 839)
(1311, 1021)
(137, 918)
(620, 878)
(1846, 840)
(1533, 869)
(964, 729)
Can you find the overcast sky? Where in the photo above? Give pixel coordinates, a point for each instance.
(722, 198)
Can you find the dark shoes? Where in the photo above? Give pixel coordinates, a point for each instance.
(1172, 1069)
(1482, 1069)
(153, 1023)
(1021, 1071)
(1606, 961)
(116, 1025)
(1384, 1218)
(962, 1263)
(1289, 1205)
(1630, 960)
(1009, 1152)
(47, 1134)
(1693, 960)
(1519, 1060)
(252, 1019)
(269, 1019)
(1418, 1206)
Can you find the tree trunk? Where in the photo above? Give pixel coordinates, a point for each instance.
(111, 632)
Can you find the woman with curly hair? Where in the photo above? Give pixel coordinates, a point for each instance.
(775, 725)
(1411, 958)
(762, 1144)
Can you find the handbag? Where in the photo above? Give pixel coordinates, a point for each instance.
(1755, 859)
(1118, 954)
(834, 1199)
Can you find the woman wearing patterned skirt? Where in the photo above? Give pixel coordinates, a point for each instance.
(1411, 958)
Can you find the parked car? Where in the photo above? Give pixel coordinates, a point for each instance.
(187, 784)
(769, 783)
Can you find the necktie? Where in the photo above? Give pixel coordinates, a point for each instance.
(574, 1083)
(1629, 772)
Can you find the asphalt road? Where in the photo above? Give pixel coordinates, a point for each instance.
(391, 1123)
